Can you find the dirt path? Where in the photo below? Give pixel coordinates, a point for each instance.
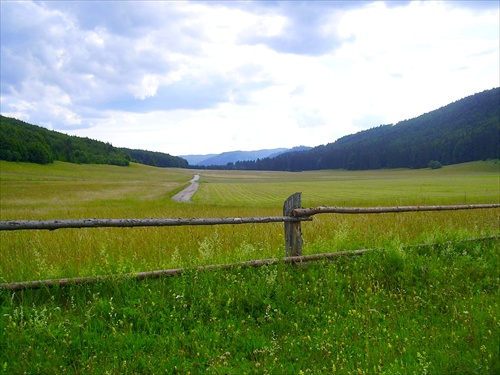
(186, 194)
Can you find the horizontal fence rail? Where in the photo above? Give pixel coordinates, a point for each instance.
(301, 212)
(303, 259)
(124, 223)
(35, 284)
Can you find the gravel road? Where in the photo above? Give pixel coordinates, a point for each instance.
(186, 194)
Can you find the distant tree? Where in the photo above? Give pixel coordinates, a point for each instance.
(434, 164)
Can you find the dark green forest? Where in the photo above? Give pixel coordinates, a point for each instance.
(463, 131)
(156, 159)
(23, 142)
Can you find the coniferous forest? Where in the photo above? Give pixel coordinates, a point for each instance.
(463, 131)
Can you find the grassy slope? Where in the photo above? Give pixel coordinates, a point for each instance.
(423, 310)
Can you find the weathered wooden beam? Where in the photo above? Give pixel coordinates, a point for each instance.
(303, 212)
(293, 231)
(14, 286)
(50, 283)
(99, 223)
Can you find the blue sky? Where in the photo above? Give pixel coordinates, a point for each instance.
(198, 77)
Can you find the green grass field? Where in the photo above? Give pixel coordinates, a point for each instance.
(402, 310)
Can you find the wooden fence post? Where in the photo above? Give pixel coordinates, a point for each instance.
(293, 232)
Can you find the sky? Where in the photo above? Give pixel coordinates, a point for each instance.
(201, 77)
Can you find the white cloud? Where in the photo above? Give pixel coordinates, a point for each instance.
(148, 87)
(206, 77)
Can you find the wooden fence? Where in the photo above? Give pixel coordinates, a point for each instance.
(293, 215)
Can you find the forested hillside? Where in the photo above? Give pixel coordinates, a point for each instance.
(156, 159)
(20, 141)
(463, 131)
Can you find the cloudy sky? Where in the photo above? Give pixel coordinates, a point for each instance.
(198, 77)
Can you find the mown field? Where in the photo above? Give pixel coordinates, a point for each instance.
(425, 310)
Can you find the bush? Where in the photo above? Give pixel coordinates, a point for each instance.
(433, 164)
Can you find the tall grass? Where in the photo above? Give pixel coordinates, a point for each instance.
(66, 191)
(403, 310)
(414, 311)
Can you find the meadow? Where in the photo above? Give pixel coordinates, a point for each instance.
(429, 309)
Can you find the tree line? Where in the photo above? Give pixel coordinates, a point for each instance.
(156, 159)
(23, 142)
(463, 131)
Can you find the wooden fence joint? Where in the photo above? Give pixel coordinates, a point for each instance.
(293, 231)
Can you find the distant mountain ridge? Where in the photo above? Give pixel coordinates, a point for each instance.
(236, 156)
